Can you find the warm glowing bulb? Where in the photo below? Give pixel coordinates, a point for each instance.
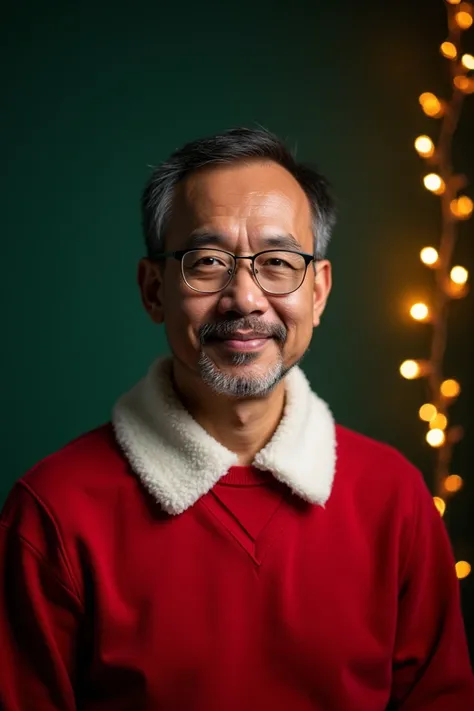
(463, 19)
(427, 412)
(462, 207)
(462, 569)
(434, 183)
(431, 105)
(450, 388)
(440, 422)
(425, 146)
(459, 275)
(465, 206)
(440, 504)
(435, 437)
(468, 61)
(462, 83)
(419, 312)
(429, 256)
(453, 483)
(410, 369)
(448, 50)
(454, 2)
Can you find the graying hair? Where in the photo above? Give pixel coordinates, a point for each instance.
(233, 146)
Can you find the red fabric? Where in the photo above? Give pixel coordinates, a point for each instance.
(109, 604)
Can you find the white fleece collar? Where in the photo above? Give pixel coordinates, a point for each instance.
(178, 461)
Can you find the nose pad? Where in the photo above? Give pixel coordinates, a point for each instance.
(243, 293)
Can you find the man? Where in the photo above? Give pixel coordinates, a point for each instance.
(223, 545)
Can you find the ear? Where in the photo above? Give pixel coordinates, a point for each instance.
(150, 281)
(321, 289)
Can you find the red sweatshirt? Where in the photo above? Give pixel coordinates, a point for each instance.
(267, 591)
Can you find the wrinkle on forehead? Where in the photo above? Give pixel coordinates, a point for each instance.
(259, 191)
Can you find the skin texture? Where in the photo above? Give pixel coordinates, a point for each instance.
(244, 204)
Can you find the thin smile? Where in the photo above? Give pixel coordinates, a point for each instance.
(244, 342)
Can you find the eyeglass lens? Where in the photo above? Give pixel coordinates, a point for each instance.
(278, 271)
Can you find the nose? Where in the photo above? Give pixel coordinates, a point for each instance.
(243, 295)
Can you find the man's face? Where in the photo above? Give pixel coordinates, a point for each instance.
(243, 208)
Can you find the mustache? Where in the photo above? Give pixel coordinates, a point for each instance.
(226, 329)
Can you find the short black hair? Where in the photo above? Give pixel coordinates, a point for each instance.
(232, 146)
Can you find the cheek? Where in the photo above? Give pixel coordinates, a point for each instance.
(184, 313)
(296, 313)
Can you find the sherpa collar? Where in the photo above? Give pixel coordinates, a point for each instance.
(178, 461)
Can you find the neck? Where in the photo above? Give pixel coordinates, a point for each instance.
(242, 425)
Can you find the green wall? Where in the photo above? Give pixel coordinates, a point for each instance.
(95, 92)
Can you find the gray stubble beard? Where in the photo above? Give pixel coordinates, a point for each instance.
(257, 385)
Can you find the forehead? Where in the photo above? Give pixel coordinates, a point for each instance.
(242, 196)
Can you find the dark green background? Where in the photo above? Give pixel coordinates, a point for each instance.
(95, 92)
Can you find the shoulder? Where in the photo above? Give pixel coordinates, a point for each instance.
(74, 479)
(91, 458)
(361, 452)
(377, 470)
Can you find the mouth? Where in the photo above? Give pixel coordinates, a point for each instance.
(243, 342)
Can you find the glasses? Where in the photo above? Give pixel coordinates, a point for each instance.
(208, 271)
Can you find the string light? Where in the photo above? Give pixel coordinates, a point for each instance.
(450, 282)
(440, 422)
(453, 483)
(462, 569)
(434, 183)
(425, 146)
(440, 504)
(448, 50)
(427, 412)
(435, 437)
(463, 20)
(450, 388)
(467, 60)
(431, 105)
(462, 83)
(429, 256)
(462, 207)
(419, 312)
(411, 369)
(459, 275)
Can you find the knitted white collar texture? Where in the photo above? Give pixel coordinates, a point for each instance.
(178, 461)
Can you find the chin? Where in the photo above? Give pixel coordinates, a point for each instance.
(241, 374)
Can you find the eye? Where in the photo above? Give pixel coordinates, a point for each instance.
(277, 262)
(208, 262)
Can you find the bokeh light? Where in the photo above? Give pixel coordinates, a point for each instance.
(431, 105)
(419, 312)
(424, 146)
(462, 569)
(429, 256)
(410, 369)
(453, 483)
(459, 275)
(463, 19)
(448, 50)
(440, 504)
(434, 183)
(435, 438)
(462, 207)
(450, 388)
(440, 422)
(427, 412)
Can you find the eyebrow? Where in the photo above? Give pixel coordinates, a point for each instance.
(207, 238)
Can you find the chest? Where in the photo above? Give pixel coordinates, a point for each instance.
(205, 609)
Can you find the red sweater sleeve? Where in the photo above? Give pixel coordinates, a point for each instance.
(39, 610)
(431, 667)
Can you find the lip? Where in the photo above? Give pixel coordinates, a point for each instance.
(246, 336)
(244, 342)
